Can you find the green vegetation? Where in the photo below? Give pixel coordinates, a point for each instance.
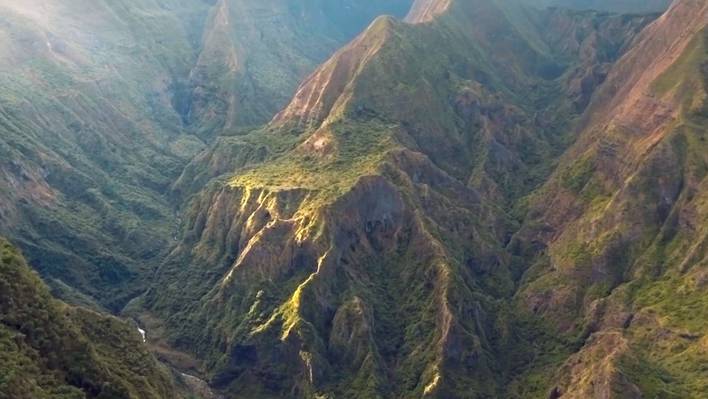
(687, 70)
(635, 269)
(672, 345)
(51, 350)
(349, 151)
(366, 248)
(578, 175)
(409, 228)
(99, 117)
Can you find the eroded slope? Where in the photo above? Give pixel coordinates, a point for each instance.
(361, 251)
(619, 230)
(102, 103)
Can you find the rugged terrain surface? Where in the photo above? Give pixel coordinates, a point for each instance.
(385, 237)
(51, 350)
(480, 199)
(621, 226)
(102, 103)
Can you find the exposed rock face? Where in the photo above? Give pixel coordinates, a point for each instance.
(617, 220)
(365, 253)
(322, 92)
(103, 103)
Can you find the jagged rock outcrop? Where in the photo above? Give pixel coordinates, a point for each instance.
(364, 254)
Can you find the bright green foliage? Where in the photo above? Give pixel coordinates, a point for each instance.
(355, 150)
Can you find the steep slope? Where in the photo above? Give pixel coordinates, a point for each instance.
(621, 6)
(89, 138)
(99, 101)
(255, 53)
(360, 251)
(51, 350)
(426, 10)
(577, 50)
(619, 231)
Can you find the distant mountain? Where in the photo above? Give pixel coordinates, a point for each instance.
(622, 6)
(102, 103)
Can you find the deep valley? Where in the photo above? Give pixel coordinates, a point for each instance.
(353, 199)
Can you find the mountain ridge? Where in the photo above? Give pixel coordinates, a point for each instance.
(96, 123)
(351, 180)
(642, 169)
(482, 199)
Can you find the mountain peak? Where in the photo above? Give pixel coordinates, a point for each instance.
(426, 10)
(324, 90)
(484, 199)
(656, 49)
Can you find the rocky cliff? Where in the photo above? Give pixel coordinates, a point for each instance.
(372, 250)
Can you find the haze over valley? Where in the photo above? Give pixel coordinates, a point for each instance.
(262, 199)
